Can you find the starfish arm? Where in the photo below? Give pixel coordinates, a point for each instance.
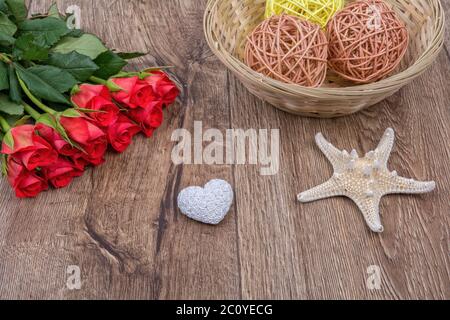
(400, 185)
(326, 190)
(385, 146)
(370, 208)
(333, 154)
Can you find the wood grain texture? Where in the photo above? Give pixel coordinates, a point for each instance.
(120, 225)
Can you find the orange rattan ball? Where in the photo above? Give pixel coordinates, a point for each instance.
(288, 49)
(367, 41)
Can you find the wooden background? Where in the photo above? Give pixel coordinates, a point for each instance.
(120, 225)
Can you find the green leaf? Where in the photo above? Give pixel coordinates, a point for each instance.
(18, 9)
(131, 55)
(71, 113)
(15, 93)
(48, 120)
(59, 79)
(39, 87)
(9, 140)
(112, 86)
(7, 26)
(88, 45)
(17, 120)
(26, 48)
(5, 49)
(110, 64)
(3, 7)
(87, 111)
(6, 40)
(75, 33)
(47, 31)
(9, 107)
(75, 90)
(78, 65)
(53, 11)
(4, 80)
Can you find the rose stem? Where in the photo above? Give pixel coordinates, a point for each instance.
(33, 113)
(98, 80)
(35, 100)
(4, 124)
(4, 58)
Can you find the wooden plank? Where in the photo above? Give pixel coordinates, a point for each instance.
(194, 261)
(323, 249)
(446, 6)
(119, 222)
(112, 222)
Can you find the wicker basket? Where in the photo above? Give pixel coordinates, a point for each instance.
(228, 22)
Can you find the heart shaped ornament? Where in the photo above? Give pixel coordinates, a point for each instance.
(208, 205)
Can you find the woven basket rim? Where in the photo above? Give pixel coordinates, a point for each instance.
(395, 81)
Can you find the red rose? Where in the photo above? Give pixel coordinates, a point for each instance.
(97, 97)
(80, 163)
(61, 173)
(26, 184)
(29, 148)
(148, 119)
(136, 93)
(88, 136)
(121, 133)
(164, 88)
(54, 138)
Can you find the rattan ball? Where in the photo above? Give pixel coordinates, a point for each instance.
(316, 11)
(288, 49)
(367, 41)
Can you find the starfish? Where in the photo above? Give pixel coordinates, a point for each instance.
(364, 180)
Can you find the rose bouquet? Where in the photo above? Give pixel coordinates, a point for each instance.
(64, 99)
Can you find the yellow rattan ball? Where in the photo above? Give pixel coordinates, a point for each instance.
(316, 11)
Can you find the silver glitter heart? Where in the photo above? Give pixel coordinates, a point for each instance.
(210, 204)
